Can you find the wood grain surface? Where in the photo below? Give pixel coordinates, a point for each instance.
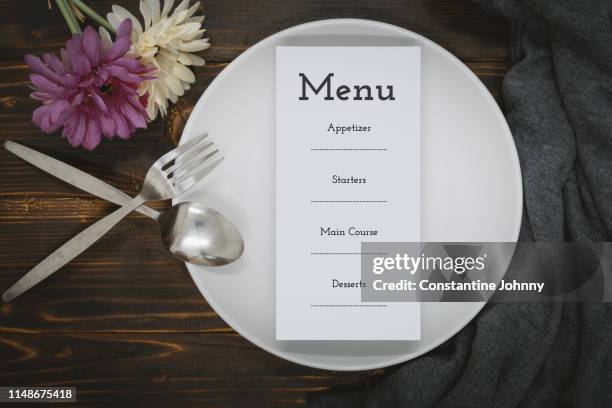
(124, 322)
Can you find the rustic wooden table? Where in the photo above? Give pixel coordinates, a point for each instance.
(124, 322)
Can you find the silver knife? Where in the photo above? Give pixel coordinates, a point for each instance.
(75, 177)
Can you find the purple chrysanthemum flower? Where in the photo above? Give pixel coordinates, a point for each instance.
(91, 90)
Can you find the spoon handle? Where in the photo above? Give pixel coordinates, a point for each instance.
(75, 177)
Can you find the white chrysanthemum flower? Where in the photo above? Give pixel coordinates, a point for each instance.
(166, 42)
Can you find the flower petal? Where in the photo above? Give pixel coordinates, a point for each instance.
(107, 125)
(183, 73)
(122, 128)
(197, 45)
(154, 7)
(87, 82)
(41, 96)
(39, 67)
(180, 18)
(184, 58)
(57, 109)
(186, 30)
(125, 28)
(91, 45)
(122, 14)
(183, 5)
(145, 10)
(193, 9)
(69, 128)
(196, 60)
(54, 63)
(124, 75)
(131, 64)
(38, 114)
(118, 49)
(174, 86)
(44, 85)
(151, 109)
(76, 129)
(99, 102)
(105, 39)
(92, 135)
(133, 116)
(113, 20)
(139, 103)
(64, 59)
(195, 36)
(167, 7)
(71, 80)
(196, 19)
(78, 99)
(73, 48)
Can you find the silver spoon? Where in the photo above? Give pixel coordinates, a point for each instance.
(191, 232)
(200, 235)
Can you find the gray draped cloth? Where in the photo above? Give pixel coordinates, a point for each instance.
(558, 102)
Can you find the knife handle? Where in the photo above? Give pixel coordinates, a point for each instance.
(75, 177)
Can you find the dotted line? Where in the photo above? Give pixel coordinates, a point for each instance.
(348, 201)
(350, 150)
(354, 305)
(348, 253)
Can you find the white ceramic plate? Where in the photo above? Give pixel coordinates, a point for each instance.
(471, 185)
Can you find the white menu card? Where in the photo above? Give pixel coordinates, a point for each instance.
(347, 171)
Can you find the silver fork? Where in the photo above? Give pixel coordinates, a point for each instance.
(172, 174)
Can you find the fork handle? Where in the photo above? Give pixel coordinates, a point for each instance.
(70, 250)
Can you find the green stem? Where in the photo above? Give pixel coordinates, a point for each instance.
(91, 13)
(75, 21)
(71, 21)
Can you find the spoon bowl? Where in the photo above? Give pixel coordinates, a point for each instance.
(200, 235)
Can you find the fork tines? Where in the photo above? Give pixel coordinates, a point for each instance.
(190, 162)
